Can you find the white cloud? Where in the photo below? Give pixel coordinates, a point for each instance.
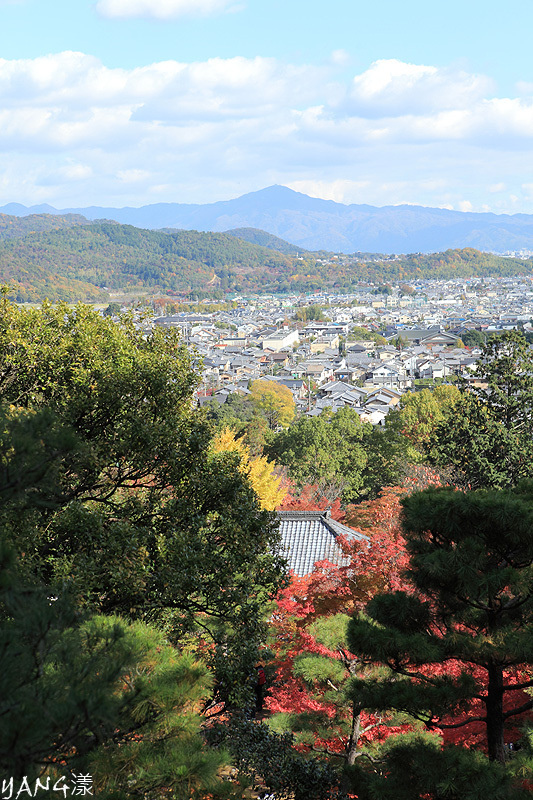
(341, 57)
(77, 172)
(341, 191)
(201, 131)
(392, 87)
(133, 175)
(162, 9)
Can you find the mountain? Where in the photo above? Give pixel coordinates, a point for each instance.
(264, 239)
(70, 258)
(13, 227)
(313, 224)
(83, 261)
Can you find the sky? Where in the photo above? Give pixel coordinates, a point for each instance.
(132, 102)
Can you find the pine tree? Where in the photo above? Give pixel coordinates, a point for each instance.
(457, 646)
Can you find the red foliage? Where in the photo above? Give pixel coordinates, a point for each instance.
(310, 498)
(329, 590)
(373, 567)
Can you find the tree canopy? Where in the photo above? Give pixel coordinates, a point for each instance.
(274, 400)
(260, 471)
(341, 455)
(488, 439)
(456, 645)
(118, 515)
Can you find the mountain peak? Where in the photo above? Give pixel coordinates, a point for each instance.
(311, 223)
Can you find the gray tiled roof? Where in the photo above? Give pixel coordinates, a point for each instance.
(308, 537)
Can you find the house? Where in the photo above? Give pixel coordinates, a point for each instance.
(280, 340)
(311, 536)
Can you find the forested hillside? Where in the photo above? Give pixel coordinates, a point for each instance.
(264, 239)
(78, 262)
(69, 258)
(19, 227)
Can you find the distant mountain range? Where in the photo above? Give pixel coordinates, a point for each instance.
(313, 224)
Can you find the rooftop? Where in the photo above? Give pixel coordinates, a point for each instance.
(311, 536)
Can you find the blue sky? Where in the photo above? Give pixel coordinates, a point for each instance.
(129, 102)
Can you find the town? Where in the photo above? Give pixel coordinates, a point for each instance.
(365, 349)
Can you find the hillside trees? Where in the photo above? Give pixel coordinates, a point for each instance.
(457, 646)
(488, 439)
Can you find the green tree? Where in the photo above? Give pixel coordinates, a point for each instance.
(112, 310)
(83, 693)
(422, 412)
(488, 440)
(340, 454)
(309, 313)
(242, 416)
(457, 649)
(389, 455)
(413, 766)
(400, 342)
(141, 518)
(326, 450)
(98, 696)
(473, 338)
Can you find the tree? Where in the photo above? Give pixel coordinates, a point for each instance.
(274, 400)
(341, 455)
(259, 470)
(324, 450)
(414, 765)
(389, 456)
(141, 517)
(422, 412)
(309, 313)
(238, 413)
(400, 342)
(311, 693)
(473, 338)
(98, 696)
(112, 310)
(311, 697)
(457, 646)
(488, 440)
(85, 694)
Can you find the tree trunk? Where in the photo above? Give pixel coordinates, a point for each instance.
(495, 719)
(351, 748)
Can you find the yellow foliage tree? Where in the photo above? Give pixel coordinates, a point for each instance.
(260, 470)
(275, 400)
